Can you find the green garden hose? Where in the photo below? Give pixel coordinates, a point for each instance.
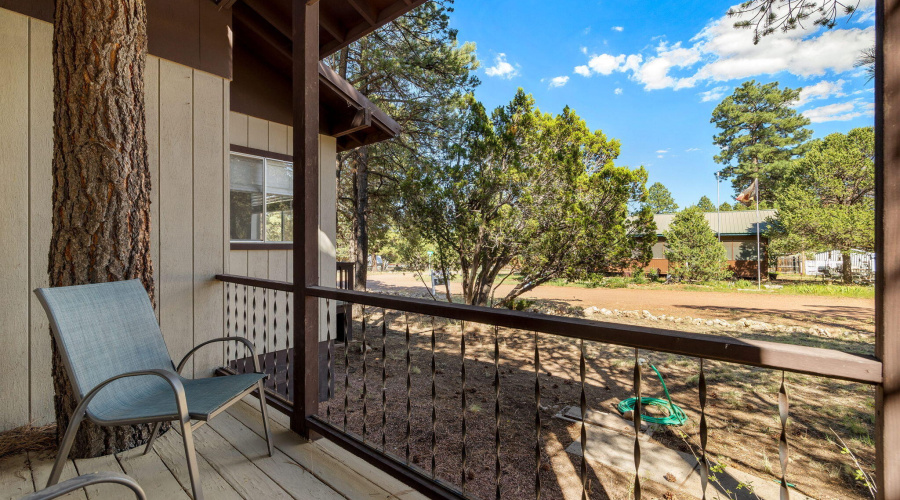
(676, 415)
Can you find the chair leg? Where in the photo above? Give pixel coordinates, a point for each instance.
(66, 446)
(191, 456)
(265, 415)
(154, 433)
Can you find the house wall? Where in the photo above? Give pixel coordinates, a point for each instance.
(740, 252)
(188, 139)
(256, 133)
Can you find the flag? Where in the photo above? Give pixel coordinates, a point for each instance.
(748, 195)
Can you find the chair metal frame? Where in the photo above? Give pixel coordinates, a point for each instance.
(76, 483)
(182, 416)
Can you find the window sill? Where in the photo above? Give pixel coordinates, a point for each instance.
(262, 245)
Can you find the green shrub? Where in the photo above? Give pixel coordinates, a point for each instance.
(742, 284)
(638, 277)
(614, 282)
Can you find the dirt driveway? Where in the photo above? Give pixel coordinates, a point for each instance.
(805, 310)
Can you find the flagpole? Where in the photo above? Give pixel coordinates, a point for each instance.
(718, 217)
(758, 246)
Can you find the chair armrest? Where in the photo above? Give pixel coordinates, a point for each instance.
(242, 340)
(172, 379)
(76, 483)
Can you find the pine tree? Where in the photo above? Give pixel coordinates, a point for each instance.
(706, 205)
(101, 176)
(760, 133)
(693, 250)
(660, 200)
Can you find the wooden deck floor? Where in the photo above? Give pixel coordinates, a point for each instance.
(233, 465)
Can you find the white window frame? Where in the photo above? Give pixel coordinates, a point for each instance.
(265, 196)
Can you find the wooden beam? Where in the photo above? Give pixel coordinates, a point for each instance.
(361, 120)
(306, 209)
(887, 247)
(365, 10)
(354, 33)
(328, 24)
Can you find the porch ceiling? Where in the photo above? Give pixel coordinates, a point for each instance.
(263, 28)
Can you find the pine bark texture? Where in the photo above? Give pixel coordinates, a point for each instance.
(101, 174)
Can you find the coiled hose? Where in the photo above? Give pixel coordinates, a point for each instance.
(676, 415)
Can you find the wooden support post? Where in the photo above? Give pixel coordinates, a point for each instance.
(306, 212)
(887, 245)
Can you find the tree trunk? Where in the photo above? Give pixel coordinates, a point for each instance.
(847, 267)
(360, 218)
(101, 176)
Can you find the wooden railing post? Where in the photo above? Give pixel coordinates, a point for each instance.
(306, 211)
(887, 244)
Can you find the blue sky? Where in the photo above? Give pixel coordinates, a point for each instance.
(650, 73)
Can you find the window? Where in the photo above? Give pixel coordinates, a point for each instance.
(262, 195)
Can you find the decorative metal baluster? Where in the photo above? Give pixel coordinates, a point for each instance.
(783, 441)
(255, 345)
(537, 418)
(289, 374)
(365, 387)
(348, 323)
(497, 470)
(433, 398)
(265, 333)
(704, 433)
(462, 360)
(236, 323)
(584, 467)
(275, 341)
(383, 379)
(244, 348)
(408, 391)
(328, 359)
(227, 322)
(636, 418)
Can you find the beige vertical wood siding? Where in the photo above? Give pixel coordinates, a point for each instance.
(188, 139)
(260, 134)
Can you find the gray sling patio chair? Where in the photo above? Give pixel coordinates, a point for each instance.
(121, 371)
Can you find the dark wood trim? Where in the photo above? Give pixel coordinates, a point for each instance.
(262, 245)
(794, 358)
(305, 95)
(412, 477)
(282, 286)
(887, 246)
(261, 152)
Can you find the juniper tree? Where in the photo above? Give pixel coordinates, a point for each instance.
(692, 248)
(831, 203)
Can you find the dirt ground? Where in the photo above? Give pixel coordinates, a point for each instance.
(803, 310)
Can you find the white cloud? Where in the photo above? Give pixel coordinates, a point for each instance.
(662, 151)
(605, 64)
(720, 53)
(691, 150)
(618, 91)
(583, 70)
(502, 68)
(821, 90)
(841, 111)
(559, 81)
(659, 156)
(714, 94)
(618, 28)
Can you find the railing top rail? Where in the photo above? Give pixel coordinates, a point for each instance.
(283, 286)
(793, 358)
